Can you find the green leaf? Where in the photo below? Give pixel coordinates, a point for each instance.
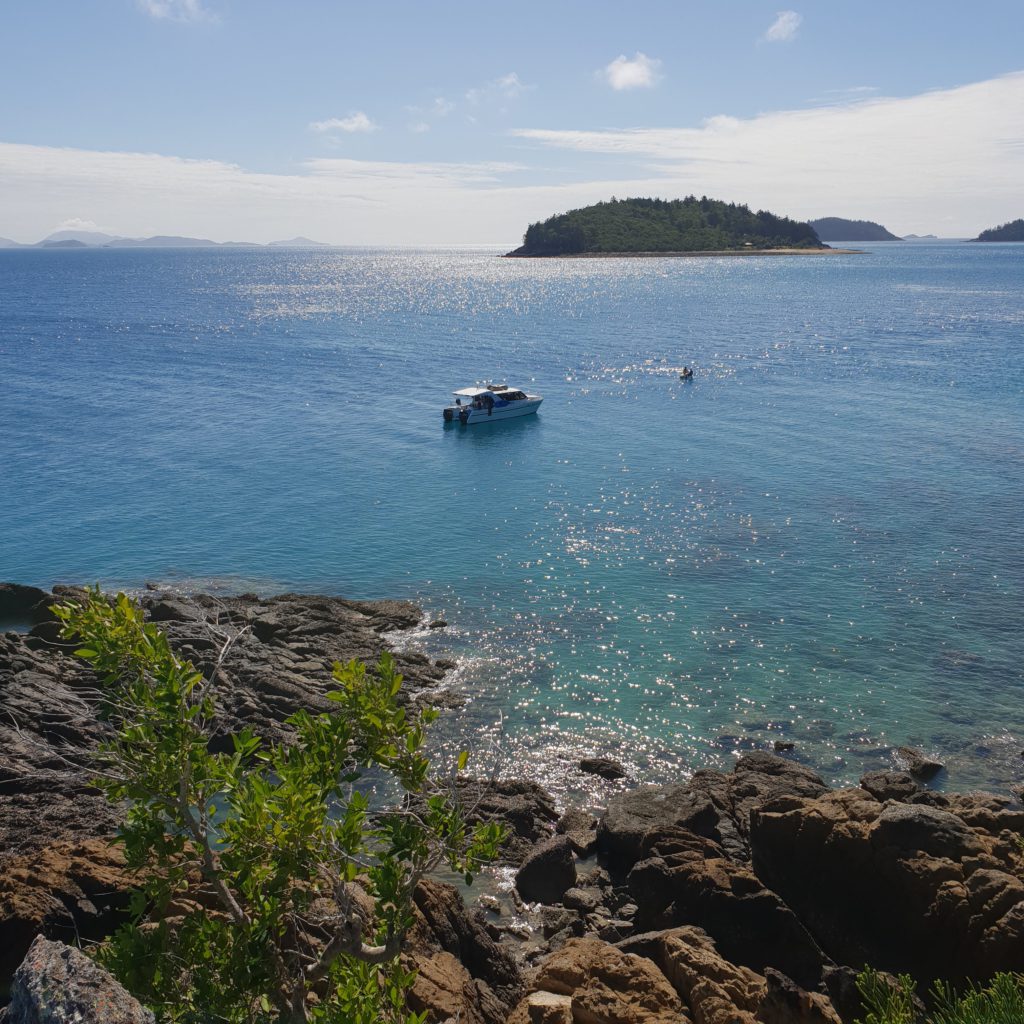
(463, 759)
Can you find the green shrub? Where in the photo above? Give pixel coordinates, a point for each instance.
(270, 891)
(999, 1002)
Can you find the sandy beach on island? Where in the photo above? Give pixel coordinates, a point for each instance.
(705, 252)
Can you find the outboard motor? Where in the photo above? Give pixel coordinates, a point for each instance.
(464, 414)
(448, 415)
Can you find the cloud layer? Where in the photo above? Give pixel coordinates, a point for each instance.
(949, 162)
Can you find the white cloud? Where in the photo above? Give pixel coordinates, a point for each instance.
(357, 122)
(639, 73)
(419, 127)
(441, 107)
(784, 27)
(509, 85)
(177, 10)
(909, 163)
(505, 87)
(78, 224)
(901, 161)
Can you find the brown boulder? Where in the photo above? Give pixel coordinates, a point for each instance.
(606, 986)
(712, 804)
(445, 990)
(719, 992)
(548, 871)
(67, 891)
(905, 887)
(687, 880)
(443, 923)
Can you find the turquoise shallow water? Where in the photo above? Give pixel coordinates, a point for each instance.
(818, 539)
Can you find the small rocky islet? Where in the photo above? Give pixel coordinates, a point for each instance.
(754, 895)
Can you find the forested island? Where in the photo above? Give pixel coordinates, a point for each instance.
(660, 226)
(833, 229)
(1012, 232)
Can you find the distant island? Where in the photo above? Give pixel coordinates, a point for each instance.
(70, 239)
(917, 238)
(665, 227)
(839, 229)
(1012, 232)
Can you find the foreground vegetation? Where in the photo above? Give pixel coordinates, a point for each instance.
(658, 225)
(999, 1002)
(271, 892)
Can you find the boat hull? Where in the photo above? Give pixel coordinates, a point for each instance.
(468, 416)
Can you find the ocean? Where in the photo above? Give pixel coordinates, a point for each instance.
(818, 540)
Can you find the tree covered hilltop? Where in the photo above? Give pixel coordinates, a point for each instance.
(833, 229)
(1012, 232)
(664, 226)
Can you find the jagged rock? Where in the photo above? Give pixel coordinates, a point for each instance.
(890, 785)
(581, 828)
(586, 901)
(444, 925)
(904, 887)
(549, 1008)
(787, 1003)
(605, 986)
(687, 880)
(547, 872)
(557, 919)
(56, 984)
(26, 606)
(445, 989)
(525, 808)
(918, 765)
(66, 891)
(719, 992)
(631, 816)
(606, 767)
(711, 804)
(575, 820)
(280, 662)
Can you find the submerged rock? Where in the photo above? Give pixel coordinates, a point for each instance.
(917, 764)
(606, 767)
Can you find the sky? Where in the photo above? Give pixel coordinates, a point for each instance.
(459, 123)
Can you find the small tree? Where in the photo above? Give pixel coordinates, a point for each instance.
(271, 891)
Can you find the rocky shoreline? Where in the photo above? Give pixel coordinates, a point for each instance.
(753, 895)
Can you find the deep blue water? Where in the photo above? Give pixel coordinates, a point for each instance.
(818, 539)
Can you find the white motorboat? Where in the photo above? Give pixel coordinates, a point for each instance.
(490, 402)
